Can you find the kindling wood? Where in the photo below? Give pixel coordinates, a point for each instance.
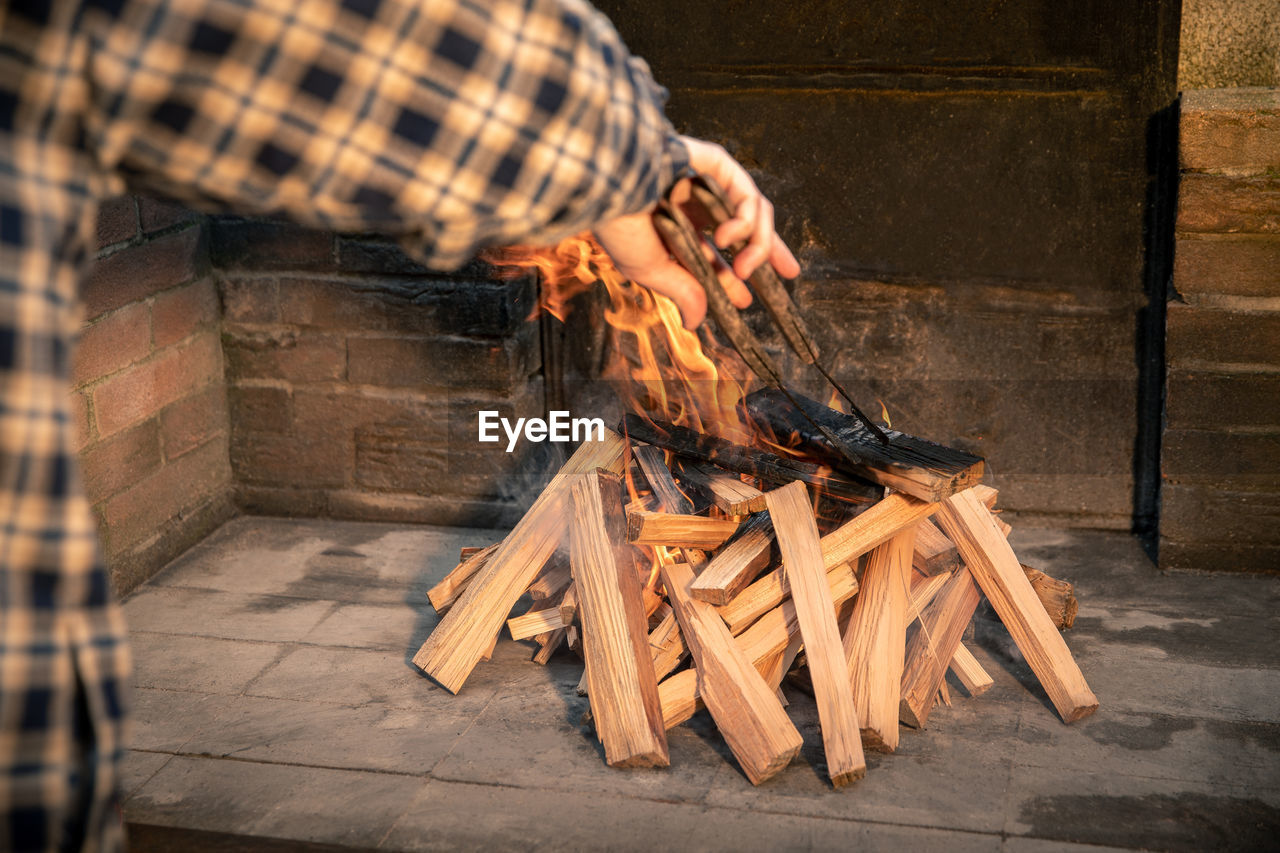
(621, 685)
(745, 709)
(730, 571)
(723, 488)
(678, 531)
(932, 646)
(451, 587)
(995, 567)
(802, 561)
(876, 637)
(456, 645)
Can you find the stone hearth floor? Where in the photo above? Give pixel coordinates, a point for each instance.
(276, 709)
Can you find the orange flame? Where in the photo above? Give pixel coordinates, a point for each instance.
(660, 369)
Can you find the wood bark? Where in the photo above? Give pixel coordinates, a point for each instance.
(456, 645)
(1058, 597)
(802, 561)
(995, 567)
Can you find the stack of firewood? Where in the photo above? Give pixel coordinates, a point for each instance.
(689, 572)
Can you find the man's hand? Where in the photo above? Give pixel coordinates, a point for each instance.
(640, 255)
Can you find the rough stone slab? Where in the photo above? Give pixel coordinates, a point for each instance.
(229, 615)
(204, 664)
(1201, 338)
(1197, 399)
(1231, 264)
(1232, 131)
(275, 801)
(443, 817)
(1213, 203)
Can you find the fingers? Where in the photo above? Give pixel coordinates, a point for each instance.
(753, 214)
(639, 254)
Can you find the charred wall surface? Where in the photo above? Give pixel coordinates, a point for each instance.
(970, 188)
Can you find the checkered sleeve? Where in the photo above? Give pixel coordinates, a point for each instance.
(455, 125)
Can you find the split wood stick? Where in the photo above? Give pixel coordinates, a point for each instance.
(573, 640)
(745, 557)
(1058, 597)
(1003, 526)
(724, 489)
(553, 581)
(547, 644)
(975, 679)
(875, 638)
(944, 693)
(569, 604)
(470, 551)
(653, 463)
(454, 648)
(666, 645)
(802, 562)
(923, 592)
(986, 495)
(843, 545)
(765, 640)
(678, 531)
(934, 553)
(620, 679)
(450, 589)
(679, 697)
(932, 646)
(748, 460)
(542, 618)
(745, 709)
(988, 555)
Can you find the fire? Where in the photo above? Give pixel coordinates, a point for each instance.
(660, 369)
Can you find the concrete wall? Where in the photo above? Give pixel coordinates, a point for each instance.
(149, 394)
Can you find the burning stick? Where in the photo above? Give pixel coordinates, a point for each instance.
(920, 468)
(464, 634)
(747, 460)
(620, 679)
(802, 561)
(725, 490)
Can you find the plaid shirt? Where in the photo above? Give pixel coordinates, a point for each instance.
(452, 124)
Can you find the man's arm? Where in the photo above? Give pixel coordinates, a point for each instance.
(454, 125)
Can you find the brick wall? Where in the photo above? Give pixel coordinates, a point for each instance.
(355, 376)
(148, 388)
(1221, 448)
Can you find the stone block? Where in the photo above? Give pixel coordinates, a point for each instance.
(1220, 513)
(190, 422)
(112, 465)
(157, 214)
(178, 313)
(1231, 132)
(1221, 457)
(260, 408)
(261, 244)
(1200, 338)
(1219, 556)
(283, 353)
(442, 362)
(1219, 204)
(1197, 400)
(1234, 265)
(249, 299)
(155, 504)
(117, 220)
(139, 271)
(111, 343)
